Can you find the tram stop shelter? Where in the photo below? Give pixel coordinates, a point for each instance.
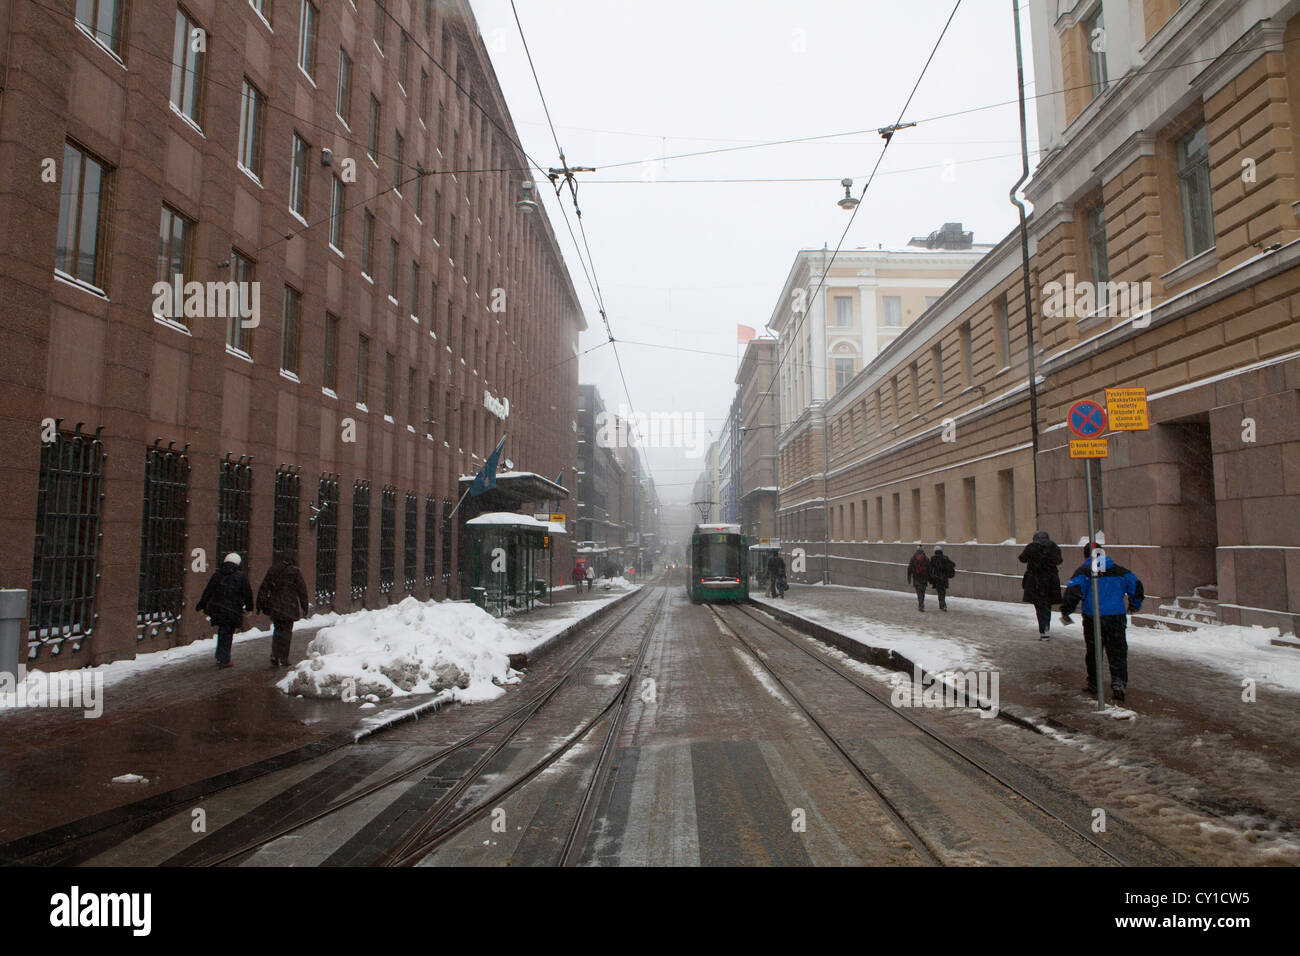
(511, 561)
(758, 556)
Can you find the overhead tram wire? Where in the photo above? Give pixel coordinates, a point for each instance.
(593, 279)
(888, 133)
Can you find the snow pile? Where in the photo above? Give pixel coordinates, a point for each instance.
(408, 648)
(1238, 650)
(619, 583)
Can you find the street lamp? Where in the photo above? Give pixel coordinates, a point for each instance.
(848, 202)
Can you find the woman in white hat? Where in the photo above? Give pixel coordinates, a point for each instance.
(225, 599)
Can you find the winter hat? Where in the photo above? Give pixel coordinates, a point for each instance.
(234, 558)
(1042, 537)
(938, 550)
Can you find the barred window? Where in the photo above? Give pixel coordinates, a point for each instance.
(234, 507)
(409, 542)
(360, 539)
(430, 539)
(161, 598)
(327, 539)
(288, 493)
(446, 540)
(65, 567)
(387, 539)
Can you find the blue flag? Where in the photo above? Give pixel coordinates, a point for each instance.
(559, 479)
(486, 479)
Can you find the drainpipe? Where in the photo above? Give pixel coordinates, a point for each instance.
(1024, 253)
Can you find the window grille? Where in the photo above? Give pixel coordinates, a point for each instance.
(288, 493)
(409, 542)
(360, 538)
(161, 598)
(234, 507)
(65, 571)
(446, 540)
(327, 539)
(387, 538)
(430, 539)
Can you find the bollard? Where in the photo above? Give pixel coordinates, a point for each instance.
(13, 609)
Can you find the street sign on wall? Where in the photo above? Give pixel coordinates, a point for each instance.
(1089, 448)
(1126, 409)
(1086, 419)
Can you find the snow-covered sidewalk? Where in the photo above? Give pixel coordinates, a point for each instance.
(1215, 707)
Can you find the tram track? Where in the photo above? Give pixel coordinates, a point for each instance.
(520, 716)
(924, 846)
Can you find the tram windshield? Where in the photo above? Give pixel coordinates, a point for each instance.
(719, 555)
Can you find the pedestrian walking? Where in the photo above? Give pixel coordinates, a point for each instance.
(281, 597)
(941, 571)
(776, 575)
(226, 597)
(1115, 586)
(918, 575)
(1042, 582)
(591, 576)
(579, 575)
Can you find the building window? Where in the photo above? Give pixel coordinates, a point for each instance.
(360, 539)
(394, 252)
(1194, 191)
(234, 507)
(419, 195)
(410, 545)
(380, 24)
(327, 539)
(914, 381)
(343, 98)
(843, 372)
(387, 539)
(330, 376)
(1002, 320)
(368, 245)
(1007, 479)
(252, 112)
(843, 311)
(288, 493)
(188, 45)
(161, 597)
(372, 145)
(337, 207)
(65, 568)
(238, 335)
(102, 19)
(398, 168)
(298, 177)
(403, 60)
(175, 237)
(893, 311)
(936, 361)
(390, 398)
(410, 398)
(967, 355)
(290, 336)
(1098, 259)
(363, 371)
(972, 510)
(430, 539)
(445, 535)
(307, 39)
(263, 7)
(415, 291)
(1094, 34)
(424, 96)
(81, 249)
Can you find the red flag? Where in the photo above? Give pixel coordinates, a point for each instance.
(744, 333)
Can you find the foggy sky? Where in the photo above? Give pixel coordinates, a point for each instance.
(680, 265)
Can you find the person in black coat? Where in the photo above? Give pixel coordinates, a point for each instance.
(776, 575)
(941, 571)
(1042, 582)
(282, 595)
(918, 575)
(225, 599)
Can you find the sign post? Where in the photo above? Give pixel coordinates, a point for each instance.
(1087, 419)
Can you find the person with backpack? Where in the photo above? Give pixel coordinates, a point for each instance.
(776, 575)
(918, 575)
(941, 571)
(1115, 584)
(225, 599)
(1042, 582)
(282, 594)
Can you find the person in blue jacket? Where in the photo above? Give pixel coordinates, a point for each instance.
(1115, 584)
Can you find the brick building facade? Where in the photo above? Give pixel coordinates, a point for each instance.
(357, 162)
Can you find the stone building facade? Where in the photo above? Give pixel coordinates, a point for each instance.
(355, 161)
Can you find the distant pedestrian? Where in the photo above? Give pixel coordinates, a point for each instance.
(1114, 585)
(941, 571)
(225, 599)
(1042, 582)
(281, 597)
(776, 575)
(918, 575)
(591, 576)
(579, 575)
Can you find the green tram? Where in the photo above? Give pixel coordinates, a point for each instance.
(718, 564)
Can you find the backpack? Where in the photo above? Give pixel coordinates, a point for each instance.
(920, 567)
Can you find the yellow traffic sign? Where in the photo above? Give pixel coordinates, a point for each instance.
(1089, 448)
(1126, 408)
(558, 519)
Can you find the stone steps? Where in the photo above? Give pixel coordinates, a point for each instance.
(1186, 613)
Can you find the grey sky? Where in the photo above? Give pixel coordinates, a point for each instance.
(682, 264)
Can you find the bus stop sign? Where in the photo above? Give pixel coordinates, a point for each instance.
(1086, 419)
